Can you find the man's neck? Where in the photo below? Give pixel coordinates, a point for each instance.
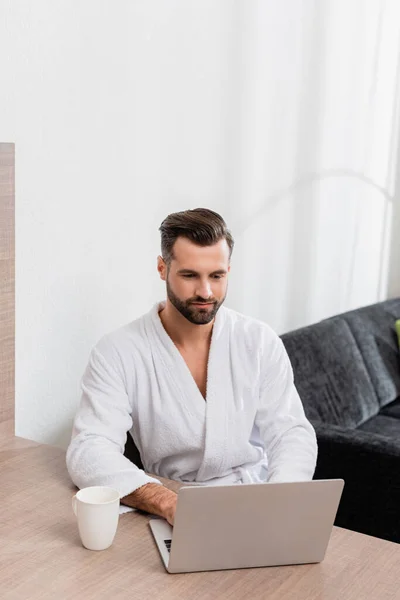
(184, 334)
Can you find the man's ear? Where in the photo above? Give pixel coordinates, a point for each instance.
(162, 268)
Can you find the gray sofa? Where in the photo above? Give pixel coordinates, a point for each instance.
(347, 372)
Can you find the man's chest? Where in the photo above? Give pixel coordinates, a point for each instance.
(196, 362)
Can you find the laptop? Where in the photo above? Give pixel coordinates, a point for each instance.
(248, 525)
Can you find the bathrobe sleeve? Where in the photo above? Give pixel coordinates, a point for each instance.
(95, 454)
(288, 436)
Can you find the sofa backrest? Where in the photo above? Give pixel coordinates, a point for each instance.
(330, 374)
(373, 328)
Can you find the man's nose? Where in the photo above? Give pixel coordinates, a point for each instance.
(204, 289)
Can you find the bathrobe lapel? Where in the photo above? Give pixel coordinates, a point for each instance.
(189, 400)
(213, 414)
(218, 405)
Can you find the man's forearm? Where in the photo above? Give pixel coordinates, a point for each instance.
(153, 498)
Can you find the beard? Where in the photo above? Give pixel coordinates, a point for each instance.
(197, 315)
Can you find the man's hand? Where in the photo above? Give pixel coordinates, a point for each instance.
(155, 499)
(169, 511)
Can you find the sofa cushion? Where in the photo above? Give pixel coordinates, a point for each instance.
(373, 328)
(330, 374)
(389, 427)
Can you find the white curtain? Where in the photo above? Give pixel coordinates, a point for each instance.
(312, 157)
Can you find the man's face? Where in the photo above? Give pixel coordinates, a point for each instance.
(197, 279)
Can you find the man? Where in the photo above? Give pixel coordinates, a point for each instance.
(207, 393)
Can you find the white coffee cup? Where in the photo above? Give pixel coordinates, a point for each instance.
(97, 511)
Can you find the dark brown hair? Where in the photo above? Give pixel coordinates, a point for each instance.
(202, 226)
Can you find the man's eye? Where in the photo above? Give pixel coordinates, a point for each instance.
(217, 276)
(188, 275)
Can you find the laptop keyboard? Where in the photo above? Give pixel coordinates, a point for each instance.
(168, 544)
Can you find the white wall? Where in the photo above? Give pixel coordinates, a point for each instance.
(282, 116)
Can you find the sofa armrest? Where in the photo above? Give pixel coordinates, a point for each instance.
(370, 466)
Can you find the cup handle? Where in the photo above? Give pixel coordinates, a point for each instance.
(74, 505)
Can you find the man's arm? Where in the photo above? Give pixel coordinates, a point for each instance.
(155, 499)
(289, 437)
(95, 455)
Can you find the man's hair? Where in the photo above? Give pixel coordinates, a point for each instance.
(201, 226)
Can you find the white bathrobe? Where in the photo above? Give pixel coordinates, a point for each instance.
(251, 428)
